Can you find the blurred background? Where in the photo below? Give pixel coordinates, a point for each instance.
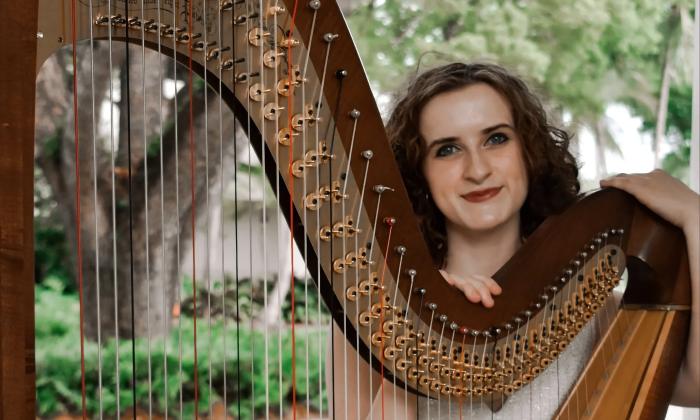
(618, 74)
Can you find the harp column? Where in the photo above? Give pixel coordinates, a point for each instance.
(18, 38)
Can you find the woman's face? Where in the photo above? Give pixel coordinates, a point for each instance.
(474, 162)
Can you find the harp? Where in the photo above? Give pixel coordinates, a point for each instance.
(371, 264)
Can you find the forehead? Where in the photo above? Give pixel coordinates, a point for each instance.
(465, 110)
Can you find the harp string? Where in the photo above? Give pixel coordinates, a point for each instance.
(194, 206)
(205, 31)
(164, 269)
(464, 350)
(544, 332)
(292, 84)
(278, 239)
(178, 277)
(442, 332)
(401, 251)
(331, 128)
(390, 223)
(367, 154)
(248, 61)
(407, 332)
(484, 364)
(264, 217)
(606, 309)
(470, 360)
(114, 217)
(130, 199)
(281, 244)
(96, 215)
(318, 239)
(379, 189)
(502, 359)
(345, 284)
(421, 303)
(304, 192)
(145, 186)
(220, 46)
(562, 313)
(563, 306)
(599, 330)
(427, 343)
(77, 206)
(524, 348)
(453, 327)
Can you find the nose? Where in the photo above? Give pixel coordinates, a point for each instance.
(476, 167)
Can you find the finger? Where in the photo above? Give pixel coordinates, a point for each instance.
(619, 182)
(470, 292)
(493, 287)
(630, 184)
(447, 277)
(485, 295)
(618, 175)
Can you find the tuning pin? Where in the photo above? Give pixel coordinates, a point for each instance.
(274, 10)
(379, 189)
(329, 37)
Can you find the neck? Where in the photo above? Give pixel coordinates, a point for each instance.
(481, 252)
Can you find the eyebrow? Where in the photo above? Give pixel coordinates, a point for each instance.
(486, 130)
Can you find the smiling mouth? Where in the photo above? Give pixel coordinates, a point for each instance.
(481, 195)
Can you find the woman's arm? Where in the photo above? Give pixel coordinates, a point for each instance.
(675, 202)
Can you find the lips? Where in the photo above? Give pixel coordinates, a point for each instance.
(481, 195)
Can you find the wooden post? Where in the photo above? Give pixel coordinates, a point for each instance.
(18, 39)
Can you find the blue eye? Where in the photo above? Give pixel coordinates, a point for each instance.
(497, 138)
(446, 150)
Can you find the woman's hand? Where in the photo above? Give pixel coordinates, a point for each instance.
(675, 202)
(475, 287)
(662, 193)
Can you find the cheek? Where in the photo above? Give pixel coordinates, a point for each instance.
(438, 176)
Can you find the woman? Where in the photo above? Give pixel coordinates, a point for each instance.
(484, 168)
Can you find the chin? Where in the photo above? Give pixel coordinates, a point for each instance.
(482, 225)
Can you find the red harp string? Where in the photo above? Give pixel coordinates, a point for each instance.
(290, 108)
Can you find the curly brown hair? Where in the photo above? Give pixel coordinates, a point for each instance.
(552, 170)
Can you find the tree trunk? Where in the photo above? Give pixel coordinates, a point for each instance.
(599, 136)
(671, 34)
(105, 229)
(662, 110)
